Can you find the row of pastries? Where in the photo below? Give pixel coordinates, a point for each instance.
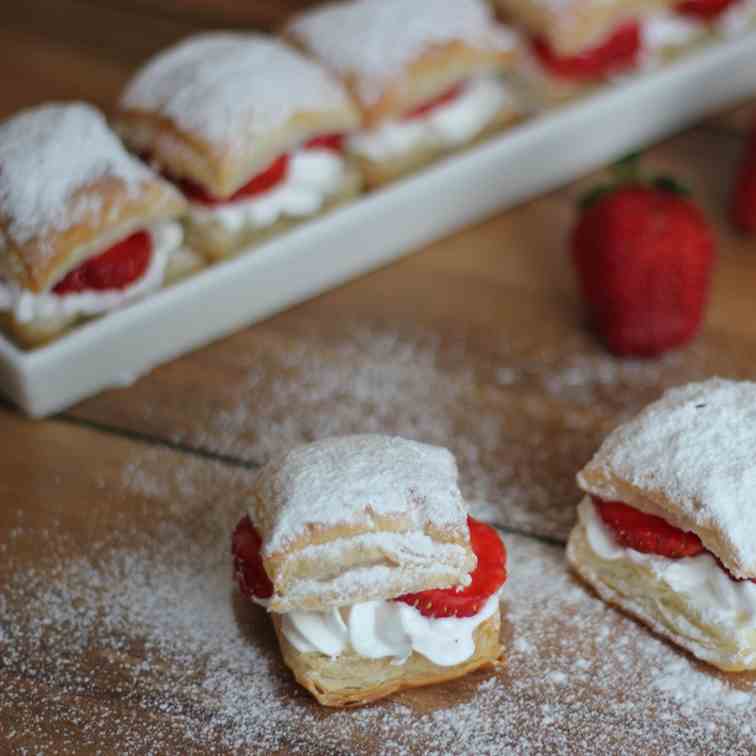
(230, 138)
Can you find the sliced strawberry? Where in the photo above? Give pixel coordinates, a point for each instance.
(248, 565)
(489, 575)
(618, 52)
(705, 10)
(438, 102)
(647, 533)
(264, 181)
(115, 268)
(333, 142)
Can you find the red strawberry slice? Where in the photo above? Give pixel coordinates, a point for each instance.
(705, 10)
(489, 575)
(333, 142)
(647, 533)
(438, 102)
(263, 182)
(644, 256)
(116, 268)
(248, 565)
(618, 52)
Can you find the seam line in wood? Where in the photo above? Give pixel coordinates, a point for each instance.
(158, 441)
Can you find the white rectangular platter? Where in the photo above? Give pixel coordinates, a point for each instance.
(538, 155)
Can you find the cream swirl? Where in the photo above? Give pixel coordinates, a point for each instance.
(452, 124)
(706, 586)
(381, 629)
(313, 175)
(29, 307)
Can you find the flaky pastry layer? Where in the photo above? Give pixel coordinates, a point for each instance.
(355, 518)
(351, 680)
(216, 242)
(222, 169)
(642, 595)
(380, 172)
(575, 26)
(687, 459)
(182, 264)
(430, 75)
(112, 211)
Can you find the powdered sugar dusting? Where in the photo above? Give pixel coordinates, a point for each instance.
(377, 39)
(348, 480)
(520, 419)
(137, 643)
(232, 88)
(49, 152)
(696, 446)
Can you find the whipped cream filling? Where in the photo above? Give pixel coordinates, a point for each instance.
(737, 19)
(29, 307)
(707, 588)
(447, 126)
(665, 30)
(313, 175)
(380, 629)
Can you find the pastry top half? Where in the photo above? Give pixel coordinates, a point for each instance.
(217, 108)
(68, 190)
(689, 458)
(357, 518)
(572, 26)
(395, 55)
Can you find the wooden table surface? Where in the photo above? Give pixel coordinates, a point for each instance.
(119, 629)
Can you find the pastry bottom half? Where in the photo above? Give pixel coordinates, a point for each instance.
(182, 264)
(668, 613)
(351, 680)
(217, 243)
(380, 172)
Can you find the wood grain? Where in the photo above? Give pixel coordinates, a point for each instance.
(478, 343)
(115, 576)
(114, 526)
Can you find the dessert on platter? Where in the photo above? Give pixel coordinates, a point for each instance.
(720, 18)
(374, 576)
(575, 45)
(667, 528)
(85, 228)
(251, 131)
(430, 77)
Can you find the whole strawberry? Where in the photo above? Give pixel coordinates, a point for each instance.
(743, 209)
(644, 254)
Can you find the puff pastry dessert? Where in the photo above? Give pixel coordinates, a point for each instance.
(722, 18)
(430, 76)
(250, 129)
(374, 577)
(577, 44)
(667, 530)
(84, 227)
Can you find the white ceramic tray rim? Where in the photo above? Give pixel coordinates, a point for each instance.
(531, 158)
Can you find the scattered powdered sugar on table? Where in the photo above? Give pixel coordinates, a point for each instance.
(49, 152)
(144, 646)
(519, 423)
